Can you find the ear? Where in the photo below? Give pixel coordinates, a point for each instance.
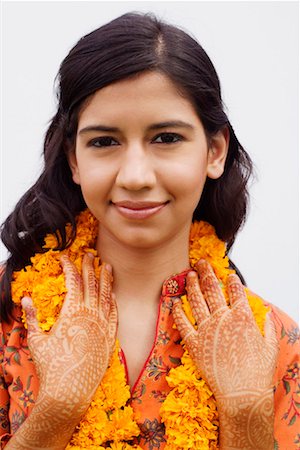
(217, 153)
(74, 166)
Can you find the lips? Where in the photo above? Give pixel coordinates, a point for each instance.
(138, 210)
(138, 205)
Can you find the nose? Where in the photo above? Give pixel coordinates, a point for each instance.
(136, 171)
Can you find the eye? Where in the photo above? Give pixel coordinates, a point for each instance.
(168, 138)
(103, 141)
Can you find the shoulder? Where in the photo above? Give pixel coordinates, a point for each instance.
(283, 322)
(288, 336)
(286, 328)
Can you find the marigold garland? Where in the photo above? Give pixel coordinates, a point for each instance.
(189, 411)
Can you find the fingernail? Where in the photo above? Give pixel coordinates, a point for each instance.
(232, 278)
(90, 255)
(191, 274)
(203, 266)
(108, 268)
(201, 262)
(26, 301)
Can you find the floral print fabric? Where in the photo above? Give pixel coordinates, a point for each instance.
(19, 382)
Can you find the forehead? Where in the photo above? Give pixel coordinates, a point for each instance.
(145, 95)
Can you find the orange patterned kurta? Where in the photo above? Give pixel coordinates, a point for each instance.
(19, 383)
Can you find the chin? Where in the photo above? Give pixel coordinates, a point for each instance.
(139, 237)
(143, 239)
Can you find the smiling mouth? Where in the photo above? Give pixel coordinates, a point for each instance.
(138, 210)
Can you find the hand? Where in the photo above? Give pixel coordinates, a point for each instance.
(236, 361)
(72, 358)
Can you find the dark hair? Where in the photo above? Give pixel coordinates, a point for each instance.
(124, 47)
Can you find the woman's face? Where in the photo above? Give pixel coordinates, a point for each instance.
(142, 158)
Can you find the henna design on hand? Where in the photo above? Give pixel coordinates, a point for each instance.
(72, 358)
(232, 356)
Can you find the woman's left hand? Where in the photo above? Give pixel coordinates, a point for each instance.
(236, 361)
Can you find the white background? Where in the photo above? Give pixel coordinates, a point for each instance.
(254, 47)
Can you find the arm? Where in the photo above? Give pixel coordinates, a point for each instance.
(77, 349)
(233, 357)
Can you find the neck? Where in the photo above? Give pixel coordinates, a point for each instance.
(141, 271)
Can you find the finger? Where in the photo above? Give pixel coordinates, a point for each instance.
(90, 283)
(112, 323)
(182, 323)
(73, 284)
(105, 289)
(270, 335)
(196, 299)
(236, 290)
(210, 288)
(31, 319)
(237, 295)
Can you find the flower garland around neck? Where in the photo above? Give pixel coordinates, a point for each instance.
(189, 411)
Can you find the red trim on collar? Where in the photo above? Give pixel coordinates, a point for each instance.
(175, 285)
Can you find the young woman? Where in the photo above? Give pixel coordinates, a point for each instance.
(158, 344)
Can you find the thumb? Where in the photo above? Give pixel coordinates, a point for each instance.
(30, 313)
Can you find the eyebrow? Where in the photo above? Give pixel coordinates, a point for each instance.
(154, 126)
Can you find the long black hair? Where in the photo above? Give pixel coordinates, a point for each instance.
(126, 46)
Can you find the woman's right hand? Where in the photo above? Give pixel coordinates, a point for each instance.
(72, 358)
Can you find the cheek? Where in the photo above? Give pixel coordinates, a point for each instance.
(95, 181)
(188, 180)
(192, 191)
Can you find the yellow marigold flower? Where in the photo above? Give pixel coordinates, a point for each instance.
(123, 424)
(259, 310)
(187, 309)
(190, 409)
